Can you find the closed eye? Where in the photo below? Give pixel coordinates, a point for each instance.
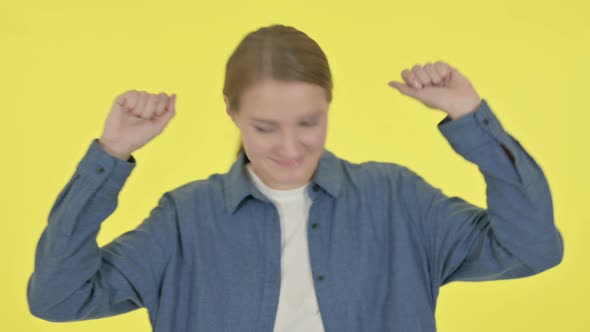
(306, 124)
(263, 130)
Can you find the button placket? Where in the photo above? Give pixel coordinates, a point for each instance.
(313, 241)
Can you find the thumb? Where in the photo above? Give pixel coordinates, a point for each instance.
(402, 88)
(172, 104)
(170, 112)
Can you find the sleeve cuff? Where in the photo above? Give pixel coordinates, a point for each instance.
(472, 130)
(100, 167)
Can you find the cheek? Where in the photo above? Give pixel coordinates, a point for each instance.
(264, 144)
(256, 144)
(315, 138)
(312, 140)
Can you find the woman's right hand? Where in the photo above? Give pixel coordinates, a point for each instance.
(136, 118)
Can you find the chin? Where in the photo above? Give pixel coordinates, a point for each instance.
(291, 175)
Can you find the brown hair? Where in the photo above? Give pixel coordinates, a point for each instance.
(275, 52)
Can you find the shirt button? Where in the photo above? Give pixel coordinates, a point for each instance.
(321, 278)
(486, 121)
(316, 187)
(314, 225)
(100, 170)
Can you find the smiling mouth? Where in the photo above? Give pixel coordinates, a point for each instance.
(289, 163)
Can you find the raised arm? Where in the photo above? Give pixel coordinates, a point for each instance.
(516, 235)
(74, 279)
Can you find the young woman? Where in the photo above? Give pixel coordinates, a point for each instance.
(293, 238)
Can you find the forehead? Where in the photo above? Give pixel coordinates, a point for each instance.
(272, 98)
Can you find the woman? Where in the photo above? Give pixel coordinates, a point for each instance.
(293, 238)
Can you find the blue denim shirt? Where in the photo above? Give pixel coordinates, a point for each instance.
(382, 241)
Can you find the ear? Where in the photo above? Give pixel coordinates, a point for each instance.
(228, 111)
(226, 101)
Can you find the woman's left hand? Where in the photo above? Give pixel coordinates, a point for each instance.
(440, 86)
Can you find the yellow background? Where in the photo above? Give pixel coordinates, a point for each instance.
(62, 63)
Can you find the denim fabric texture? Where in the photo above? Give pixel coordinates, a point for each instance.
(382, 241)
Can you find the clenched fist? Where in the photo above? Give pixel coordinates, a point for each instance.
(135, 118)
(440, 86)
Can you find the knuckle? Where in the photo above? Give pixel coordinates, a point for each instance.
(432, 73)
(165, 99)
(162, 104)
(153, 98)
(442, 67)
(127, 94)
(132, 100)
(138, 98)
(144, 96)
(406, 74)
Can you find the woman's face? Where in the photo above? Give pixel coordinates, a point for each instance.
(283, 128)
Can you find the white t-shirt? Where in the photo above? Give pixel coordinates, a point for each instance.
(298, 307)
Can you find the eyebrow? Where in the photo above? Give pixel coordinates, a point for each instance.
(311, 115)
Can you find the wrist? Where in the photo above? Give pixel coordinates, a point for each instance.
(467, 110)
(114, 151)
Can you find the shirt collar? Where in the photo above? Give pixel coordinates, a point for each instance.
(237, 185)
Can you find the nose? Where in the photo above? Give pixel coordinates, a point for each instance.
(288, 145)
